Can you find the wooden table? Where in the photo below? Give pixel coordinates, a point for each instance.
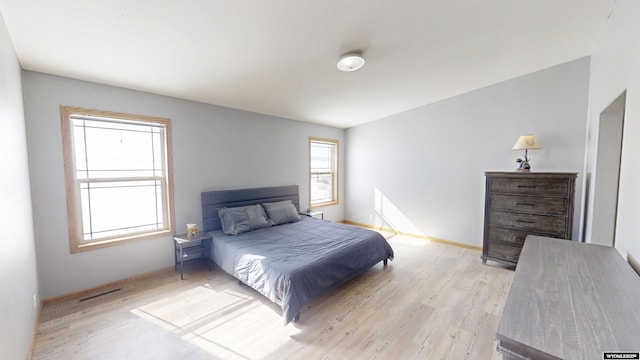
(570, 300)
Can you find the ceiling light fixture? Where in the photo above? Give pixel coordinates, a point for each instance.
(350, 62)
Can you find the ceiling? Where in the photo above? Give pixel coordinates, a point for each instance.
(278, 57)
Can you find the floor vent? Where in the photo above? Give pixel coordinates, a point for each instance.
(98, 295)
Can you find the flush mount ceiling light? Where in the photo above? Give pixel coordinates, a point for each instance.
(350, 62)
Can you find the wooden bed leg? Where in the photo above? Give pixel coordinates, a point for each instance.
(384, 262)
(297, 317)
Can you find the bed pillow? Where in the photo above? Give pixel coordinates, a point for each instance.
(282, 212)
(241, 219)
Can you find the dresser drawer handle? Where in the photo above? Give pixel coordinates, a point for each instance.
(525, 204)
(525, 221)
(527, 186)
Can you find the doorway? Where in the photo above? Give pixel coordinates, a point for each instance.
(607, 179)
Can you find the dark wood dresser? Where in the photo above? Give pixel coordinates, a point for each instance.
(519, 204)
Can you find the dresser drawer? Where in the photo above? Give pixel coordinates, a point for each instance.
(544, 187)
(514, 237)
(529, 204)
(504, 252)
(529, 222)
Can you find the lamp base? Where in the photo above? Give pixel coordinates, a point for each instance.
(524, 165)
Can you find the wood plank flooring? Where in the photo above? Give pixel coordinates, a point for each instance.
(434, 301)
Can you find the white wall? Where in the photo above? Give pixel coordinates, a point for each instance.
(18, 272)
(213, 148)
(422, 171)
(616, 68)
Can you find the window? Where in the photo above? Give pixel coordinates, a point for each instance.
(118, 177)
(323, 172)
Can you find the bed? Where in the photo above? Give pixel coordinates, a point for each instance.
(294, 263)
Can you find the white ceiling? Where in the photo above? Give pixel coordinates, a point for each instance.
(279, 57)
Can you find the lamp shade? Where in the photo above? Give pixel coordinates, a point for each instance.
(526, 142)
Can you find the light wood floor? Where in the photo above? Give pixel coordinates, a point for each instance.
(433, 301)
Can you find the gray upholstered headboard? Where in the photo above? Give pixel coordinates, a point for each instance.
(214, 200)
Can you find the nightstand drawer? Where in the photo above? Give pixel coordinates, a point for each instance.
(548, 187)
(529, 204)
(529, 222)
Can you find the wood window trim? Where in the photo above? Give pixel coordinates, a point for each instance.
(74, 211)
(335, 200)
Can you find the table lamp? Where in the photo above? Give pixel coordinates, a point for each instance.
(525, 142)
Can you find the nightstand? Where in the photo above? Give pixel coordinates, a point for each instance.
(189, 248)
(312, 213)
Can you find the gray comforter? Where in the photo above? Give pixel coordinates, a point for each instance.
(293, 264)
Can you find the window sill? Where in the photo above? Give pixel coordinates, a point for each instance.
(321, 205)
(100, 244)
